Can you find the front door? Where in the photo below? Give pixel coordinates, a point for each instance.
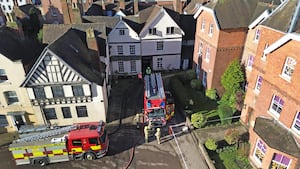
(19, 121)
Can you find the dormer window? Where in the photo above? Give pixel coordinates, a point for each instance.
(257, 35)
(288, 68)
(152, 31)
(121, 32)
(170, 30)
(211, 28)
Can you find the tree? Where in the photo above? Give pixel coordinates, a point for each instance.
(232, 80)
(232, 136)
(198, 119)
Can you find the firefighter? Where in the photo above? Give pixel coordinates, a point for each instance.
(137, 120)
(148, 70)
(157, 135)
(146, 132)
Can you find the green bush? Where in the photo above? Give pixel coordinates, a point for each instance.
(196, 84)
(228, 155)
(232, 136)
(187, 76)
(243, 150)
(179, 91)
(225, 113)
(198, 119)
(211, 144)
(211, 93)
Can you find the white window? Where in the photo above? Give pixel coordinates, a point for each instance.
(207, 55)
(259, 151)
(121, 66)
(200, 49)
(160, 45)
(11, 97)
(264, 56)
(280, 162)
(203, 25)
(250, 62)
(288, 68)
(257, 35)
(133, 66)
(258, 83)
(121, 32)
(211, 28)
(296, 124)
(132, 49)
(276, 105)
(152, 31)
(120, 49)
(170, 30)
(159, 63)
(3, 76)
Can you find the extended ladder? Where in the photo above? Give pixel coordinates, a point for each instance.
(45, 134)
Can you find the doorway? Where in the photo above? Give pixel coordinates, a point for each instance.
(146, 62)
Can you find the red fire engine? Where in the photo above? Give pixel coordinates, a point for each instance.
(80, 141)
(158, 104)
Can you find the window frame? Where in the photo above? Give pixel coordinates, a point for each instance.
(132, 49)
(121, 67)
(203, 25)
(57, 91)
(121, 32)
(211, 28)
(133, 65)
(11, 97)
(296, 122)
(200, 49)
(3, 76)
(47, 112)
(257, 35)
(258, 83)
(152, 31)
(207, 54)
(260, 147)
(81, 111)
(288, 67)
(66, 112)
(160, 45)
(159, 63)
(250, 62)
(3, 120)
(170, 30)
(39, 93)
(120, 50)
(77, 90)
(279, 106)
(280, 163)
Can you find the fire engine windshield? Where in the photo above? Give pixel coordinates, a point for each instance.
(157, 113)
(103, 137)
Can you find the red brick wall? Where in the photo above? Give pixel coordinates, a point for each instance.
(46, 12)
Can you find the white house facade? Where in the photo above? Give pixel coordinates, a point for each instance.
(161, 41)
(63, 85)
(15, 105)
(125, 49)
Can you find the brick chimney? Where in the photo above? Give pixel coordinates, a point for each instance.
(136, 7)
(177, 6)
(92, 45)
(66, 6)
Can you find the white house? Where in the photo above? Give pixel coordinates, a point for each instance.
(161, 39)
(15, 105)
(125, 49)
(66, 82)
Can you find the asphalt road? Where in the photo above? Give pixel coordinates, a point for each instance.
(126, 142)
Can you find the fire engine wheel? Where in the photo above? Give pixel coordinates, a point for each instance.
(41, 162)
(90, 156)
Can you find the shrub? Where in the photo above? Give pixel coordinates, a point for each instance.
(225, 113)
(179, 91)
(196, 84)
(211, 93)
(232, 136)
(211, 144)
(228, 156)
(243, 150)
(187, 76)
(198, 119)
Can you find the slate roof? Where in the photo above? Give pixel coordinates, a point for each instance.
(275, 136)
(193, 6)
(238, 13)
(188, 25)
(281, 19)
(15, 48)
(110, 22)
(52, 32)
(70, 48)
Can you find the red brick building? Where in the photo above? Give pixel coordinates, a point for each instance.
(272, 104)
(220, 36)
